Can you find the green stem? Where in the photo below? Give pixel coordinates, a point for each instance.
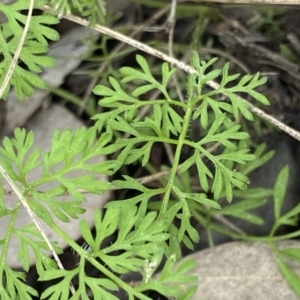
(9, 231)
(274, 228)
(249, 238)
(180, 143)
(72, 99)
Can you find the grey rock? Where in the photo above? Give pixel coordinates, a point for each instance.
(242, 271)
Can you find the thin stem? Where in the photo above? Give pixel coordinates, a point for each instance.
(181, 139)
(249, 238)
(5, 245)
(34, 219)
(171, 24)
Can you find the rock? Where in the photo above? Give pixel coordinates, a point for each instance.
(242, 271)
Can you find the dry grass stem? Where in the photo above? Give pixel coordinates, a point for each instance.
(179, 64)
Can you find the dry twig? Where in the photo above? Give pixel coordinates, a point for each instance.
(179, 64)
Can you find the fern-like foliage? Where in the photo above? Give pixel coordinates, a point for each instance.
(144, 238)
(33, 55)
(167, 125)
(148, 231)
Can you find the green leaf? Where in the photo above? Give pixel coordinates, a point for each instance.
(138, 235)
(260, 160)
(143, 63)
(227, 78)
(130, 74)
(176, 120)
(290, 276)
(203, 172)
(100, 288)
(280, 190)
(167, 73)
(240, 156)
(239, 210)
(16, 285)
(203, 114)
(142, 90)
(112, 96)
(174, 280)
(105, 225)
(121, 125)
(259, 97)
(61, 289)
(291, 253)
(254, 193)
(130, 183)
(292, 213)
(214, 127)
(210, 76)
(202, 198)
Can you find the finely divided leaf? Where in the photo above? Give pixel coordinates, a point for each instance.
(24, 79)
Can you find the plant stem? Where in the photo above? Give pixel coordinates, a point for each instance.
(181, 139)
(5, 245)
